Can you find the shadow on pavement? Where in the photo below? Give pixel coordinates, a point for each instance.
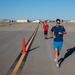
(33, 49)
(49, 38)
(68, 53)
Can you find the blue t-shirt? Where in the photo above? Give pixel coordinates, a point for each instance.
(56, 30)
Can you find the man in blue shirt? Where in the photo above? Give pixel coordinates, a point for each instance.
(57, 33)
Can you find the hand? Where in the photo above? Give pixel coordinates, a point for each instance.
(60, 33)
(54, 36)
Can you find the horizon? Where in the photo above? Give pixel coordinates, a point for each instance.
(36, 19)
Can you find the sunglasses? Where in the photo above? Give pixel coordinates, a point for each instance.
(58, 22)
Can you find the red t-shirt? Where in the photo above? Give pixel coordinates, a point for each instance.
(45, 26)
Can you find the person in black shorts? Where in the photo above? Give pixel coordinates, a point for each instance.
(46, 27)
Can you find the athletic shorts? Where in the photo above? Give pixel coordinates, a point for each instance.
(45, 32)
(57, 45)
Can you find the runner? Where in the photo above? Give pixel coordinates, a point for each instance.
(46, 27)
(57, 32)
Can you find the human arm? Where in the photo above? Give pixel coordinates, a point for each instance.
(51, 33)
(62, 32)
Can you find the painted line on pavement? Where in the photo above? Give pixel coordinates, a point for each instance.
(23, 55)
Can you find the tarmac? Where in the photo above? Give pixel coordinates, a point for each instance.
(40, 57)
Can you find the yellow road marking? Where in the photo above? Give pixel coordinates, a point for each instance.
(30, 41)
(18, 65)
(22, 56)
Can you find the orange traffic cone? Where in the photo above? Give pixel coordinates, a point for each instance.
(23, 45)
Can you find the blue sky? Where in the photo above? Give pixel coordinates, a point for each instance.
(37, 9)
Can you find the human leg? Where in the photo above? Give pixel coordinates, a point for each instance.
(60, 44)
(57, 47)
(56, 57)
(45, 34)
(57, 52)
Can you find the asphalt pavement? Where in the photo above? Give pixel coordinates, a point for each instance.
(40, 56)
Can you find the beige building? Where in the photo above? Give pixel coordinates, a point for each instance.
(36, 21)
(22, 20)
(72, 21)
